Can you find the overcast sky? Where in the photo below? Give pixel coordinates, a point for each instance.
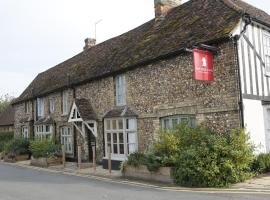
(38, 34)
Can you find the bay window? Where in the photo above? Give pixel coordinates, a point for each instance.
(25, 132)
(67, 139)
(43, 132)
(120, 137)
(171, 122)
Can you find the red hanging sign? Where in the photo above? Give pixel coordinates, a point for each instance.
(203, 65)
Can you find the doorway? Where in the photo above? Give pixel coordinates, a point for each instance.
(91, 141)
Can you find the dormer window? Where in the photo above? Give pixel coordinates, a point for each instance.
(120, 90)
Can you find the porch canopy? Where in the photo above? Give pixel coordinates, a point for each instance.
(82, 115)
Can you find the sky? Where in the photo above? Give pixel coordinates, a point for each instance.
(38, 34)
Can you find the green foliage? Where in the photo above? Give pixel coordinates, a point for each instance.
(208, 159)
(17, 146)
(4, 138)
(153, 162)
(136, 159)
(261, 163)
(5, 101)
(44, 148)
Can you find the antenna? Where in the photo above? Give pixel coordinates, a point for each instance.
(96, 23)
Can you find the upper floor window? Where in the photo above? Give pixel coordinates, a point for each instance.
(65, 103)
(172, 121)
(266, 45)
(52, 104)
(120, 90)
(40, 107)
(27, 107)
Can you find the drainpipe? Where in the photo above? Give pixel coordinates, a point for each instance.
(240, 103)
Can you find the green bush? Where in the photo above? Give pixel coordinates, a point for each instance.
(44, 148)
(209, 159)
(261, 163)
(17, 146)
(4, 138)
(136, 159)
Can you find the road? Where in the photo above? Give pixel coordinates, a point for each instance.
(27, 184)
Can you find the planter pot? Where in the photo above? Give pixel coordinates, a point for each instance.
(162, 175)
(45, 162)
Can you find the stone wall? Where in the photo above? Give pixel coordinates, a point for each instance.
(162, 89)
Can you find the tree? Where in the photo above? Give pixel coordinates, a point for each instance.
(5, 101)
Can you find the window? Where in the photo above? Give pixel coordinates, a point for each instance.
(67, 139)
(43, 132)
(52, 104)
(266, 44)
(65, 103)
(40, 107)
(172, 121)
(120, 90)
(27, 107)
(120, 137)
(25, 132)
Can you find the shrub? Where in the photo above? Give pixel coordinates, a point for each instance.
(17, 146)
(136, 159)
(261, 163)
(153, 162)
(4, 138)
(44, 148)
(208, 159)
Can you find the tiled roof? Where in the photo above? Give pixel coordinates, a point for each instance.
(197, 21)
(122, 111)
(7, 116)
(85, 109)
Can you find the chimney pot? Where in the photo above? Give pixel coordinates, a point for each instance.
(89, 42)
(162, 7)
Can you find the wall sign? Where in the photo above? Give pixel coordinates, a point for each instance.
(203, 65)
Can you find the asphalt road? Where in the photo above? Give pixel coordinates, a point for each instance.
(26, 184)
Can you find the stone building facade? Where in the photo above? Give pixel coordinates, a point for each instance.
(117, 95)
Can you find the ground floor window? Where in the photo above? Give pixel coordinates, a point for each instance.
(25, 132)
(67, 139)
(43, 132)
(171, 121)
(120, 137)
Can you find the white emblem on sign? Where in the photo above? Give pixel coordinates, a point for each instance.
(204, 62)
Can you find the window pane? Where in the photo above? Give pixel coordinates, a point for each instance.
(121, 138)
(109, 137)
(114, 124)
(174, 122)
(115, 151)
(108, 125)
(115, 138)
(131, 138)
(120, 124)
(131, 148)
(121, 146)
(166, 124)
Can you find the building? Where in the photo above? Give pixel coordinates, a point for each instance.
(7, 120)
(117, 95)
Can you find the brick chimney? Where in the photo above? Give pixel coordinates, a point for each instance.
(162, 7)
(89, 42)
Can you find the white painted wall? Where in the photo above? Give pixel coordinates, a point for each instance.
(255, 123)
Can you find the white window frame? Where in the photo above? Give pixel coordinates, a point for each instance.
(42, 133)
(120, 90)
(266, 48)
(167, 123)
(40, 107)
(65, 103)
(126, 131)
(25, 132)
(67, 139)
(52, 104)
(27, 107)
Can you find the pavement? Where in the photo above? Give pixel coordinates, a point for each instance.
(22, 183)
(258, 186)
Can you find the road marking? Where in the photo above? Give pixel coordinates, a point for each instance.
(146, 185)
